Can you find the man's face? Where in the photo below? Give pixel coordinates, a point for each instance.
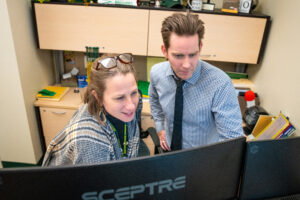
(183, 54)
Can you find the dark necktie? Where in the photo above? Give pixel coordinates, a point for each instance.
(176, 143)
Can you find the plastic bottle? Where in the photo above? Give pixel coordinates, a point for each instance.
(250, 98)
(252, 112)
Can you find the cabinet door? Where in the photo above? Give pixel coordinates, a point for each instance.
(53, 121)
(227, 38)
(73, 27)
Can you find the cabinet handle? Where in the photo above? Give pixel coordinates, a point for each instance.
(59, 113)
(208, 55)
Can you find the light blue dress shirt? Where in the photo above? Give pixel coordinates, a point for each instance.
(211, 111)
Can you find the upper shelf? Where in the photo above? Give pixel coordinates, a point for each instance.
(214, 12)
(118, 29)
(71, 27)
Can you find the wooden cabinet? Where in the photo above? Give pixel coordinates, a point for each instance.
(73, 27)
(53, 121)
(228, 38)
(55, 115)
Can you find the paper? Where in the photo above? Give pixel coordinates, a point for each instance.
(59, 93)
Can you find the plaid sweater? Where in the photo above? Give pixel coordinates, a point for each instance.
(85, 141)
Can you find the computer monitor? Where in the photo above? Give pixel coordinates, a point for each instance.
(272, 169)
(210, 172)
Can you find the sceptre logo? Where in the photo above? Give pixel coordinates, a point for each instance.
(148, 189)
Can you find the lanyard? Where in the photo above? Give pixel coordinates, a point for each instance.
(125, 143)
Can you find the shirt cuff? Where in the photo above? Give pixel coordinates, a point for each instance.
(159, 125)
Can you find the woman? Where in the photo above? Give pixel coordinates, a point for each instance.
(105, 128)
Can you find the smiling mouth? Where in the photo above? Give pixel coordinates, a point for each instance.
(128, 114)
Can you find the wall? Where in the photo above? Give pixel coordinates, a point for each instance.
(276, 78)
(140, 64)
(26, 70)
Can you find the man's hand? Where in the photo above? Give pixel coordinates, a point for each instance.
(162, 139)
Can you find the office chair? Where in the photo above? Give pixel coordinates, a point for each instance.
(143, 148)
(155, 139)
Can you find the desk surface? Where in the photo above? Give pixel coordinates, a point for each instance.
(71, 100)
(74, 100)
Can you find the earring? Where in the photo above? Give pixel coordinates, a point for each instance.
(102, 113)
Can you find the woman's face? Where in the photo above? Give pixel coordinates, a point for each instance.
(120, 98)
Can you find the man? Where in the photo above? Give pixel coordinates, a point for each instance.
(210, 112)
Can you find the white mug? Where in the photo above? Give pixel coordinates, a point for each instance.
(196, 4)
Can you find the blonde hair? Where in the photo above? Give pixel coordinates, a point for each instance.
(97, 83)
(181, 25)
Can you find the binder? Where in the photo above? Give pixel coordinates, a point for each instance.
(274, 129)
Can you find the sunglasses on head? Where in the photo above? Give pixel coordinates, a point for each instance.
(111, 62)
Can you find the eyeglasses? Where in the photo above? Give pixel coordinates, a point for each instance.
(111, 62)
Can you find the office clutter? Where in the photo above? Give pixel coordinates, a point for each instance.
(208, 5)
(87, 2)
(83, 60)
(78, 65)
(239, 6)
(73, 72)
(69, 79)
(259, 125)
(231, 6)
(278, 127)
(73, 67)
(120, 2)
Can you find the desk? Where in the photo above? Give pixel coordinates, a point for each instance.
(56, 114)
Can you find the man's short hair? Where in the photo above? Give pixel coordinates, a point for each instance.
(181, 25)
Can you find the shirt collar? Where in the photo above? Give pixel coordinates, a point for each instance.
(193, 79)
